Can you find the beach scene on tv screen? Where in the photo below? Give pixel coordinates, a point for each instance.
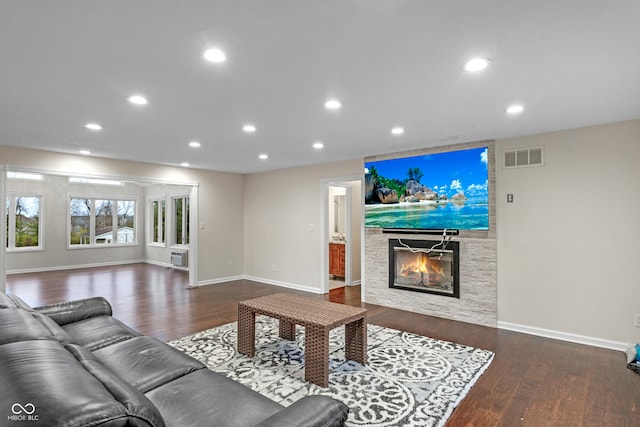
(432, 191)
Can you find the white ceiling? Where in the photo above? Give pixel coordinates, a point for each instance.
(64, 63)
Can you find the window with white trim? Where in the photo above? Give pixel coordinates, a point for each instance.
(157, 221)
(180, 220)
(24, 222)
(101, 221)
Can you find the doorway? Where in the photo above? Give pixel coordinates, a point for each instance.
(341, 261)
(127, 232)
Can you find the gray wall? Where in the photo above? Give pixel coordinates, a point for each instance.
(567, 245)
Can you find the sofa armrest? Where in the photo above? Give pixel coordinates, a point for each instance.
(310, 411)
(74, 311)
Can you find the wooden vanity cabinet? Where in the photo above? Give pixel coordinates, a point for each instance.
(336, 259)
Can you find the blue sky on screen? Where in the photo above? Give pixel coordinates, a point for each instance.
(445, 173)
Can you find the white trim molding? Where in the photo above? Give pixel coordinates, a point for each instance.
(73, 267)
(563, 336)
(219, 280)
(284, 284)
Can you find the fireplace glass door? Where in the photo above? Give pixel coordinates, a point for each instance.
(424, 269)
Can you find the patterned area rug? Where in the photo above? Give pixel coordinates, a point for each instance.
(410, 380)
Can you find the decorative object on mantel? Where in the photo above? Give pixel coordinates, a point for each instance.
(633, 358)
(410, 380)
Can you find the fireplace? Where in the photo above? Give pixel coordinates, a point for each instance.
(425, 266)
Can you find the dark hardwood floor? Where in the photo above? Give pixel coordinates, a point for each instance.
(532, 381)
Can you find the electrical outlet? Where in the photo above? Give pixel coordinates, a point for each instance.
(636, 321)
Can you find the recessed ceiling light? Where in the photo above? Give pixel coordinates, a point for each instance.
(515, 109)
(263, 157)
(397, 131)
(333, 104)
(249, 128)
(476, 64)
(318, 145)
(194, 144)
(214, 55)
(138, 99)
(85, 152)
(93, 126)
(185, 164)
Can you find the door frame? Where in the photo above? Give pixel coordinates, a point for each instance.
(343, 181)
(193, 218)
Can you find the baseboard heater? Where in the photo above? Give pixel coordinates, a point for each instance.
(179, 258)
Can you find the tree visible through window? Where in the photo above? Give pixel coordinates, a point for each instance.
(157, 220)
(104, 222)
(80, 213)
(126, 216)
(23, 222)
(181, 220)
(101, 221)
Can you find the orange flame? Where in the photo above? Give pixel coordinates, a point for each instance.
(422, 263)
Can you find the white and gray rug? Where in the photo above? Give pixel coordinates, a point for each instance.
(410, 380)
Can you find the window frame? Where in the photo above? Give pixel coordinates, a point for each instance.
(186, 221)
(162, 228)
(11, 221)
(92, 221)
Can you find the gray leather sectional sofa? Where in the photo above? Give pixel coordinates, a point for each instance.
(74, 364)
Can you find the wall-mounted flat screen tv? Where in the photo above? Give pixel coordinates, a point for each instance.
(433, 191)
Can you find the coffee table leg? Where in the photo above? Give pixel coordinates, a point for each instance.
(287, 330)
(316, 355)
(355, 341)
(246, 331)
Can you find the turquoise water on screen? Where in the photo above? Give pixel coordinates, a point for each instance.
(473, 214)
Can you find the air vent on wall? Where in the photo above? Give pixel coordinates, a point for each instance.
(523, 157)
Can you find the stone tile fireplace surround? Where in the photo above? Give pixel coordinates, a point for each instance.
(478, 281)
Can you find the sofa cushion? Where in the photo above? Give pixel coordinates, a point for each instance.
(310, 411)
(205, 398)
(20, 325)
(137, 405)
(74, 311)
(147, 363)
(13, 301)
(51, 384)
(98, 332)
(54, 329)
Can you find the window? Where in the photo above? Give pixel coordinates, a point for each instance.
(103, 226)
(126, 226)
(101, 221)
(78, 180)
(80, 214)
(23, 218)
(157, 217)
(181, 220)
(25, 176)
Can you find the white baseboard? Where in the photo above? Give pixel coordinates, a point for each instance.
(284, 284)
(72, 267)
(158, 263)
(219, 280)
(563, 336)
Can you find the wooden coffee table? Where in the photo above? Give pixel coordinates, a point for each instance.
(318, 317)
